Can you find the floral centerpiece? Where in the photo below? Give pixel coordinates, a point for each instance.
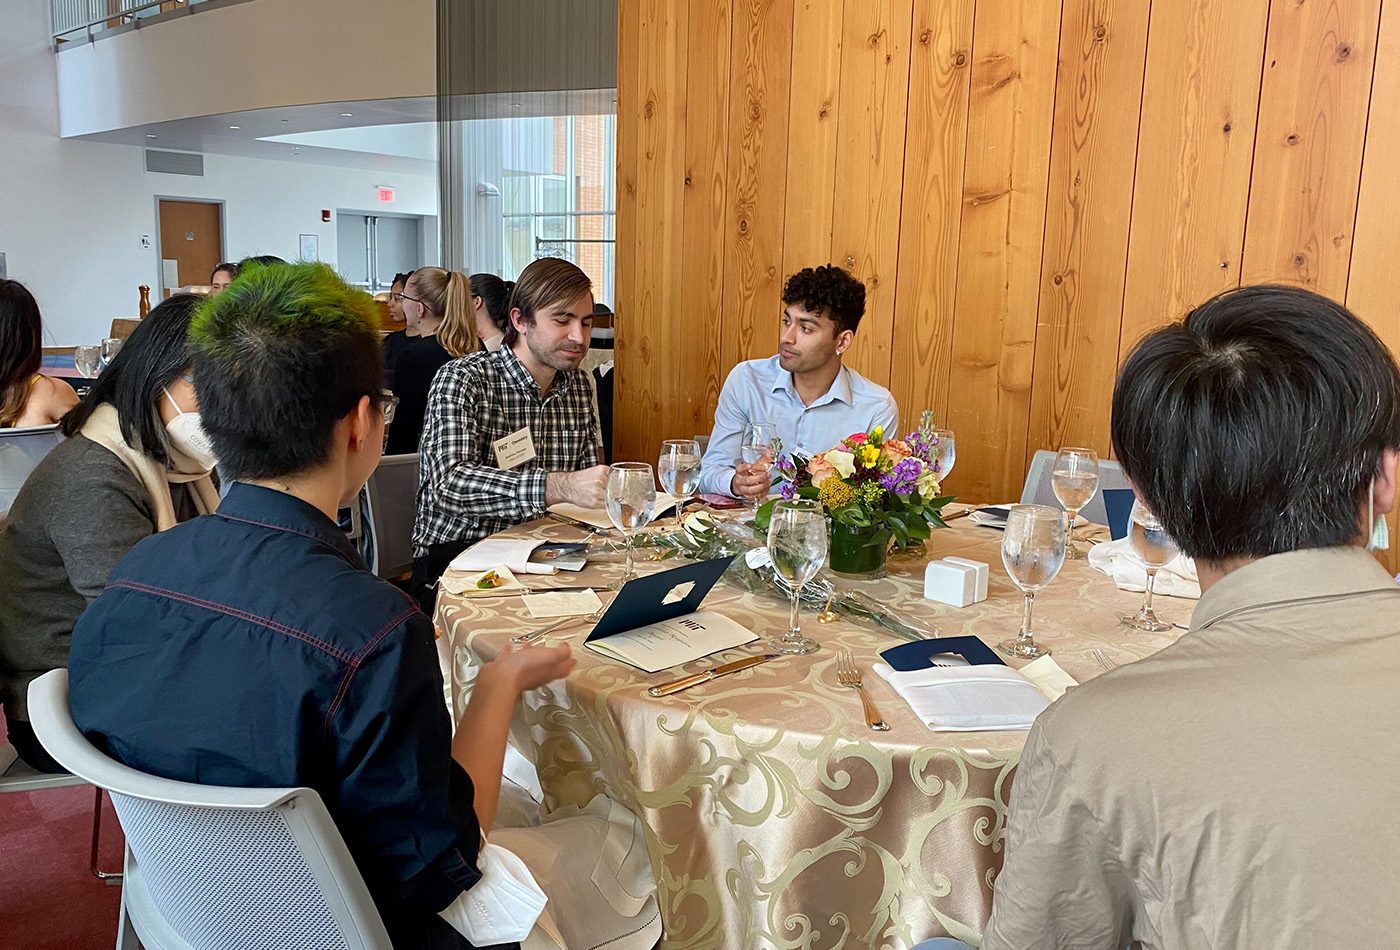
(876, 491)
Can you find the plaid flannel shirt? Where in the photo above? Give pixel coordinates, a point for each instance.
(475, 400)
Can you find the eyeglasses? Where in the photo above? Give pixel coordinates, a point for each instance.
(402, 297)
(388, 403)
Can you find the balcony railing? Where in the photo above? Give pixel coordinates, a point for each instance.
(84, 19)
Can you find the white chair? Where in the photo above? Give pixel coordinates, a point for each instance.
(390, 507)
(218, 868)
(17, 776)
(20, 452)
(1039, 491)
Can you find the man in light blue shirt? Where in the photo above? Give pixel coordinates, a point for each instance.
(805, 391)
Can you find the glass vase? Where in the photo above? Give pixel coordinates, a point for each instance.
(852, 555)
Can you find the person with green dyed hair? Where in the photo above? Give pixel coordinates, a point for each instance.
(252, 648)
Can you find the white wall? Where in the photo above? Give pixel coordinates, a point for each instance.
(72, 212)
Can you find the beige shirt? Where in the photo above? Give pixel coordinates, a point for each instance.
(1237, 789)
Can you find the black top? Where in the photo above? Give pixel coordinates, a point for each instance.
(252, 648)
(394, 345)
(410, 381)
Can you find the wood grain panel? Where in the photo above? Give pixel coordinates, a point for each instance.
(1373, 289)
(1312, 129)
(1012, 101)
(935, 147)
(870, 168)
(812, 124)
(658, 387)
(1103, 44)
(760, 58)
(1195, 147)
(702, 263)
(628, 430)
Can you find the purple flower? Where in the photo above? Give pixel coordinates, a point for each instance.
(788, 490)
(900, 480)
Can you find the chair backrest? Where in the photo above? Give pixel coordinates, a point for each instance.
(215, 867)
(1039, 491)
(391, 505)
(20, 453)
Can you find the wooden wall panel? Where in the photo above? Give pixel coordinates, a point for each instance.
(870, 167)
(1373, 289)
(1012, 101)
(813, 110)
(935, 145)
(1195, 146)
(1312, 129)
(759, 81)
(659, 386)
(1103, 44)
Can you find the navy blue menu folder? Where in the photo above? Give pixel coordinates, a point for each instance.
(643, 600)
(919, 654)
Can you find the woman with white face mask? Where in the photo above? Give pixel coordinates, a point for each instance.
(135, 461)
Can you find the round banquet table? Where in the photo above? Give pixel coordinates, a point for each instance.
(774, 818)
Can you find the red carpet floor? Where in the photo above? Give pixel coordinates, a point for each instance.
(48, 900)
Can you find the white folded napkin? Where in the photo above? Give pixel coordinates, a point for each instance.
(982, 698)
(1117, 560)
(514, 553)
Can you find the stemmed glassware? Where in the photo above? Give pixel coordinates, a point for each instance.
(1033, 550)
(1152, 545)
(945, 453)
(759, 445)
(679, 470)
(86, 359)
(797, 543)
(1075, 479)
(630, 498)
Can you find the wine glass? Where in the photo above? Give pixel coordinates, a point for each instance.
(631, 495)
(85, 358)
(679, 470)
(1075, 479)
(758, 446)
(797, 544)
(945, 453)
(1152, 545)
(110, 347)
(1033, 550)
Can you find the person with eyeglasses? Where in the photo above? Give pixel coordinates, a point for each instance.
(439, 304)
(398, 341)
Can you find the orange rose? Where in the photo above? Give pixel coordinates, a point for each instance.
(820, 469)
(898, 450)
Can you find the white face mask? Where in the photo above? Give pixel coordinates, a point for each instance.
(1380, 531)
(187, 437)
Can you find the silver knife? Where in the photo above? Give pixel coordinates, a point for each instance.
(668, 688)
(573, 521)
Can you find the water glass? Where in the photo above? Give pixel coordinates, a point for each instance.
(1155, 548)
(1075, 479)
(630, 498)
(86, 359)
(1033, 550)
(758, 446)
(945, 453)
(679, 470)
(110, 348)
(797, 543)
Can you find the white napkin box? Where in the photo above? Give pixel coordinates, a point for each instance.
(956, 581)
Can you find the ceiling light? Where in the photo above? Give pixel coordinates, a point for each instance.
(150, 135)
(347, 114)
(235, 126)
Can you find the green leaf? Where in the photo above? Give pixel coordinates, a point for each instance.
(764, 517)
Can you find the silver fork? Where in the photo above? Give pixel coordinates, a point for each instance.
(1104, 661)
(534, 635)
(847, 674)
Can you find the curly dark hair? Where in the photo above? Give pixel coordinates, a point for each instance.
(829, 291)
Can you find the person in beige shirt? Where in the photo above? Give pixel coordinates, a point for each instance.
(1234, 789)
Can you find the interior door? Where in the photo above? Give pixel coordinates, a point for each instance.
(352, 247)
(191, 234)
(398, 247)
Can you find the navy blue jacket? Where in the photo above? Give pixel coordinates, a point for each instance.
(252, 648)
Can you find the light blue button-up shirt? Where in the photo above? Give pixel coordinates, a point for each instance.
(762, 391)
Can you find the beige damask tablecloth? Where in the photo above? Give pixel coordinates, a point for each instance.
(775, 818)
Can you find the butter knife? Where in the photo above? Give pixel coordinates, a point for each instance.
(574, 521)
(668, 688)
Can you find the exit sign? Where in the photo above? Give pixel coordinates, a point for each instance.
(386, 195)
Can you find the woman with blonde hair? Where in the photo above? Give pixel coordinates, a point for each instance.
(440, 303)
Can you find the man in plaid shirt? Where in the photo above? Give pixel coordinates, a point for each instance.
(509, 433)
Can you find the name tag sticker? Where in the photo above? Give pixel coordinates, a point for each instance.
(514, 449)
